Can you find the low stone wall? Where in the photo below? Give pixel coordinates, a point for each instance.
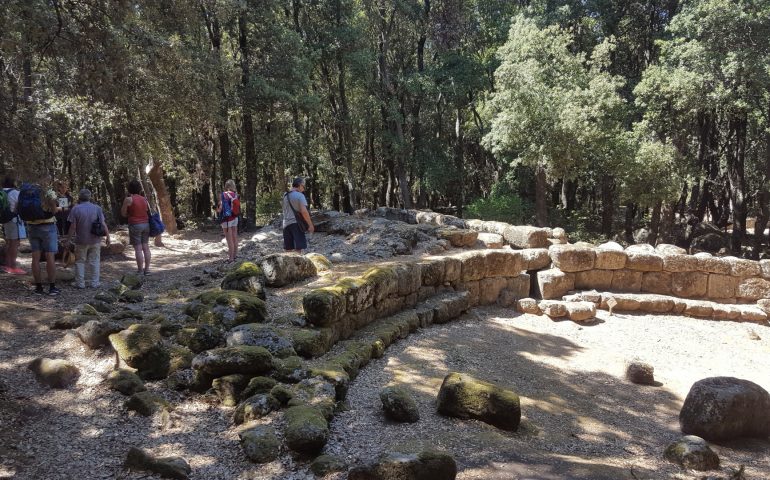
(667, 271)
(489, 276)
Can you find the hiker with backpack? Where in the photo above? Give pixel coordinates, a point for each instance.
(137, 210)
(296, 218)
(228, 210)
(37, 206)
(65, 202)
(87, 227)
(13, 226)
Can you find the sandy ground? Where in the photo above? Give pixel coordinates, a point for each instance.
(581, 420)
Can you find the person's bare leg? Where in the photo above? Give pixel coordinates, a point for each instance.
(36, 267)
(50, 267)
(235, 241)
(12, 253)
(147, 256)
(139, 254)
(159, 240)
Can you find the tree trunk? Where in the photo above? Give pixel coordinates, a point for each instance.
(568, 196)
(541, 197)
(608, 195)
(460, 159)
(655, 223)
(104, 172)
(736, 158)
(249, 147)
(155, 172)
(667, 223)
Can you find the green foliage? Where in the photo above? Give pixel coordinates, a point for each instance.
(269, 204)
(502, 205)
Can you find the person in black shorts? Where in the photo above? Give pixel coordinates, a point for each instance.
(294, 205)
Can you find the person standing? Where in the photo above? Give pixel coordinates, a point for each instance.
(13, 230)
(228, 209)
(37, 206)
(87, 225)
(296, 218)
(136, 209)
(65, 203)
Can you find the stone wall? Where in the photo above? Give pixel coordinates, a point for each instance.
(489, 276)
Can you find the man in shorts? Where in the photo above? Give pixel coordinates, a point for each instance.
(43, 236)
(295, 204)
(13, 231)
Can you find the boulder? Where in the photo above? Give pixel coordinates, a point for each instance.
(553, 308)
(325, 464)
(95, 333)
(131, 296)
(554, 283)
(306, 430)
(125, 382)
(167, 467)
(490, 240)
(693, 453)
(457, 237)
(463, 396)
(570, 258)
(689, 284)
(261, 336)
(247, 277)
(254, 407)
(725, 408)
(245, 359)
(640, 373)
(398, 404)
(317, 392)
(260, 444)
(229, 388)
(610, 256)
(324, 306)
(55, 373)
(146, 403)
(322, 264)
(559, 233)
(310, 343)
(290, 369)
(426, 465)
(526, 236)
(668, 249)
(284, 268)
(580, 311)
(529, 305)
(710, 242)
(640, 248)
(141, 347)
(753, 288)
(257, 385)
(132, 281)
(227, 308)
(200, 338)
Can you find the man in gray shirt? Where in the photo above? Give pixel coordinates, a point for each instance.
(87, 245)
(294, 204)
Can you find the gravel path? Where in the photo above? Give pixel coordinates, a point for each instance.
(580, 418)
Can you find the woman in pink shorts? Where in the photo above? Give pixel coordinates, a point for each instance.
(228, 210)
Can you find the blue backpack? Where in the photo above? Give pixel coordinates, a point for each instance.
(30, 206)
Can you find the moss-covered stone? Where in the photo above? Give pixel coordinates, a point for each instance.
(314, 392)
(87, 309)
(180, 358)
(258, 385)
(200, 338)
(244, 359)
(307, 431)
(463, 396)
(229, 308)
(167, 467)
(311, 343)
(334, 374)
(693, 453)
(131, 296)
(54, 373)
(321, 263)
(117, 289)
(282, 393)
(229, 388)
(398, 404)
(68, 322)
(256, 406)
(260, 444)
(132, 281)
(285, 268)
(427, 465)
(384, 279)
(325, 306)
(290, 369)
(273, 339)
(167, 326)
(125, 382)
(146, 403)
(128, 314)
(246, 277)
(325, 464)
(96, 332)
(100, 306)
(106, 297)
(141, 347)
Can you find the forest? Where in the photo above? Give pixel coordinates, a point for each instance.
(599, 116)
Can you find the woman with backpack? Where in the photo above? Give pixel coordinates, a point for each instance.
(13, 226)
(136, 209)
(228, 210)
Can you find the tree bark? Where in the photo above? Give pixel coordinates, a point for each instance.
(249, 147)
(155, 173)
(541, 197)
(736, 158)
(655, 223)
(608, 196)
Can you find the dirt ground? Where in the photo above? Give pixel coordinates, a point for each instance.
(581, 419)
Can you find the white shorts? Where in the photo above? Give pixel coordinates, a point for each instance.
(231, 223)
(14, 231)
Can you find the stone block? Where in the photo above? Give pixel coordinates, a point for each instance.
(570, 258)
(644, 262)
(535, 258)
(409, 278)
(452, 269)
(708, 263)
(721, 286)
(553, 308)
(753, 288)
(529, 305)
(490, 240)
(490, 288)
(473, 265)
(526, 236)
(610, 259)
(519, 285)
(655, 303)
(698, 308)
(725, 312)
(502, 263)
(657, 282)
(554, 283)
(626, 281)
(764, 265)
(580, 311)
(668, 249)
(594, 279)
(764, 304)
(680, 263)
(689, 284)
(751, 313)
(433, 270)
(740, 267)
(625, 302)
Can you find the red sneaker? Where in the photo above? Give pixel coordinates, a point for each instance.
(17, 271)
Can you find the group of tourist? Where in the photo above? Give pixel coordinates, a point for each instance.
(44, 215)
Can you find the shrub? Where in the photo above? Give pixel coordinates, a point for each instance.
(502, 207)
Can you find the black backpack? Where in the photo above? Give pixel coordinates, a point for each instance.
(97, 229)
